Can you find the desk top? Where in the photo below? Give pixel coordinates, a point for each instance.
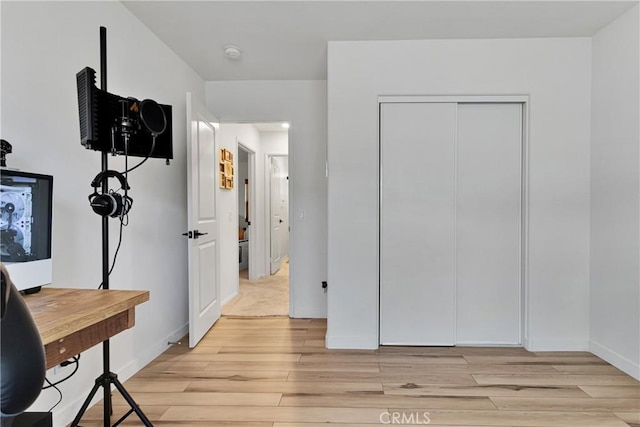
(60, 312)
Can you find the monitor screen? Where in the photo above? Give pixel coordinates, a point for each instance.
(25, 227)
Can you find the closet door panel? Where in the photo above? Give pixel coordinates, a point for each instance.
(488, 224)
(417, 289)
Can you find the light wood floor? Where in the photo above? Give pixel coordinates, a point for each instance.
(275, 372)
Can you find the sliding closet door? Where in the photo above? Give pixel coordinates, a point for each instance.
(488, 223)
(417, 223)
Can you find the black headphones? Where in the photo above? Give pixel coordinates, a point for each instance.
(110, 203)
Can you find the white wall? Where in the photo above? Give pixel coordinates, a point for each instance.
(303, 105)
(44, 44)
(615, 194)
(556, 75)
(275, 142)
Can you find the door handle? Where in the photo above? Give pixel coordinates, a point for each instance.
(281, 221)
(189, 234)
(197, 234)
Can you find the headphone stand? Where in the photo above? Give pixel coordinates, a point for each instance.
(107, 378)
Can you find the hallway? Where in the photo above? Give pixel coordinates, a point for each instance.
(267, 296)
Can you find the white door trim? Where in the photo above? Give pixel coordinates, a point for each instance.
(251, 168)
(524, 176)
(524, 232)
(501, 99)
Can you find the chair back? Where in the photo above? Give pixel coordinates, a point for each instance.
(22, 358)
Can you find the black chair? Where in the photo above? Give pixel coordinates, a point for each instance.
(22, 358)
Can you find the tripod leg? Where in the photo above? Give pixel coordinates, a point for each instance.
(85, 405)
(106, 407)
(131, 402)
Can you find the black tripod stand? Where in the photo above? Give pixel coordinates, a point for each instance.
(107, 378)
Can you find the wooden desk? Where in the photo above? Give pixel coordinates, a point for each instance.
(71, 321)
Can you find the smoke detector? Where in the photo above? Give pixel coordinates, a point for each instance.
(232, 52)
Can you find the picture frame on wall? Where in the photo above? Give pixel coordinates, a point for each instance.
(226, 169)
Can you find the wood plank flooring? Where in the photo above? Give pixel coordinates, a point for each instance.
(275, 372)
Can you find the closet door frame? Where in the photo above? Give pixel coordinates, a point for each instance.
(524, 194)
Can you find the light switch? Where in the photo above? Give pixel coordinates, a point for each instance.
(301, 215)
(230, 216)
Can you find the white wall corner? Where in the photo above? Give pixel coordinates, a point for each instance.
(628, 366)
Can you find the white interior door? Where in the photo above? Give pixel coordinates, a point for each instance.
(204, 255)
(284, 212)
(276, 215)
(488, 223)
(417, 292)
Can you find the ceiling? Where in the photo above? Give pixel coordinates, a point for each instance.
(287, 40)
(270, 127)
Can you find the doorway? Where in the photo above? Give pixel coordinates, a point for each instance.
(263, 220)
(246, 207)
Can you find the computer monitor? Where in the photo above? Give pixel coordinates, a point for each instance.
(26, 211)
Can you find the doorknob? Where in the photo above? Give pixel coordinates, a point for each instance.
(197, 234)
(281, 221)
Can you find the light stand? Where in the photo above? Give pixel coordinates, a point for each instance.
(107, 378)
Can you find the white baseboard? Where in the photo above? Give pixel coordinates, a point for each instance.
(65, 414)
(146, 357)
(487, 344)
(357, 343)
(351, 343)
(537, 344)
(229, 298)
(615, 359)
